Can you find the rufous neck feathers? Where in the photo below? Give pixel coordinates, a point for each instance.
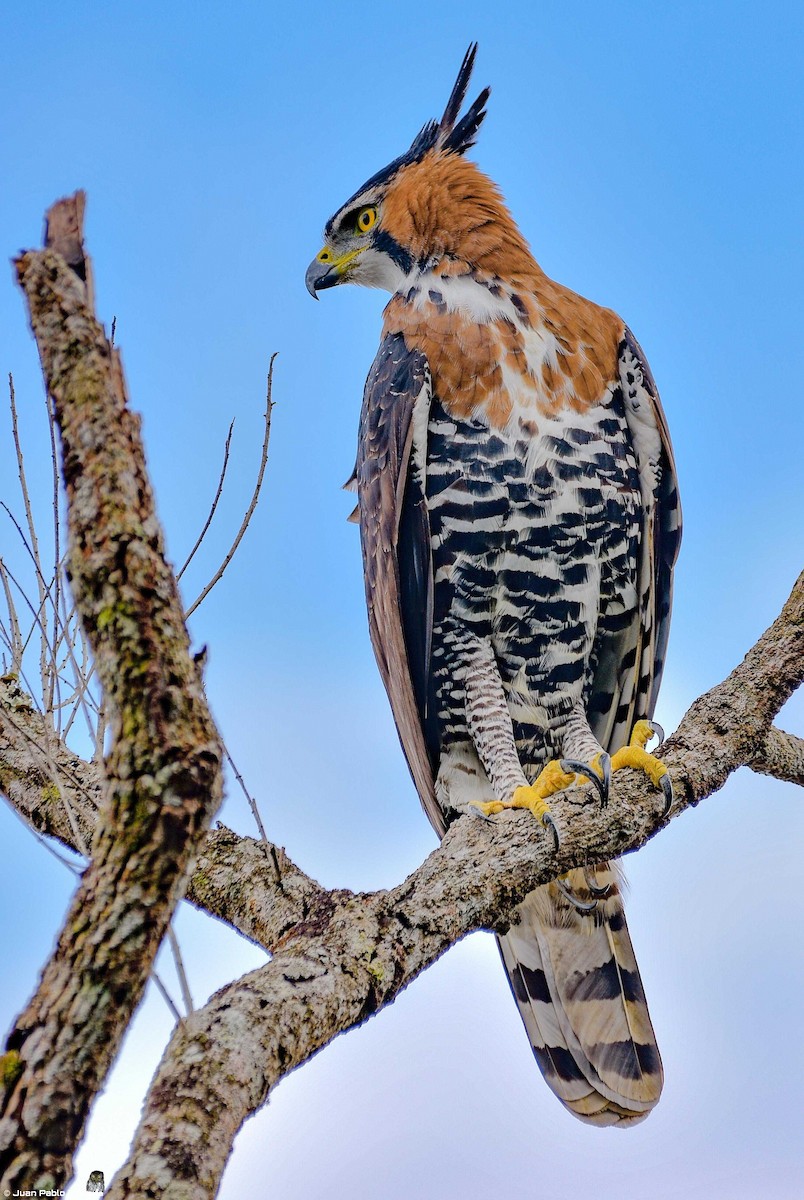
(444, 208)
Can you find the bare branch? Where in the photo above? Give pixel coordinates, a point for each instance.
(49, 683)
(780, 755)
(166, 996)
(339, 957)
(33, 545)
(164, 770)
(218, 493)
(353, 954)
(252, 803)
(14, 637)
(48, 694)
(178, 962)
(269, 404)
(251, 885)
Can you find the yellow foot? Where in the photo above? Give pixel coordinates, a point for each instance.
(551, 779)
(636, 756)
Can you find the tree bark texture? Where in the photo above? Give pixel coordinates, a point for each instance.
(163, 774)
(338, 957)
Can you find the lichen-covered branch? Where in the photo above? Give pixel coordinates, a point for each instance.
(163, 775)
(41, 776)
(249, 883)
(354, 953)
(780, 755)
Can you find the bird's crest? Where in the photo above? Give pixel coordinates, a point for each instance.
(445, 134)
(449, 136)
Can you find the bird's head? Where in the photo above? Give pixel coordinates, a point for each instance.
(420, 209)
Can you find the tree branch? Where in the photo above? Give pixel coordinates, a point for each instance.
(163, 776)
(354, 953)
(249, 883)
(339, 957)
(780, 755)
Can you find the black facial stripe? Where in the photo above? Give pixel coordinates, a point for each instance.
(390, 246)
(349, 218)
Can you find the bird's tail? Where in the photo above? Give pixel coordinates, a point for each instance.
(577, 986)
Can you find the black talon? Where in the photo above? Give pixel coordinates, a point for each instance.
(549, 823)
(582, 906)
(571, 766)
(605, 763)
(666, 784)
(657, 730)
(594, 888)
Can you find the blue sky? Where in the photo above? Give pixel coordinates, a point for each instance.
(653, 157)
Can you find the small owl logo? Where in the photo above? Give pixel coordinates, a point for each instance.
(96, 1182)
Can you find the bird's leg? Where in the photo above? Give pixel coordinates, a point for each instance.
(636, 756)
(490, 727)
(583, 755)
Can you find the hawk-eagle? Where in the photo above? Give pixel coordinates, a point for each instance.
(519, 522)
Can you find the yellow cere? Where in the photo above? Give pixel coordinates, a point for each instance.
(340, 263)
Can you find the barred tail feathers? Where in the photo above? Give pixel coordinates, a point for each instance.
(578, 990)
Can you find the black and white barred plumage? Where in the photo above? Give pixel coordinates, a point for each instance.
(519, 523)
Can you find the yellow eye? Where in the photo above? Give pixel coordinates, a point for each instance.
(366, 219)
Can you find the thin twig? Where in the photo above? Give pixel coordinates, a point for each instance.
(40, 615)
(83, 672)
(34, 546)
(15, 637)
(252, 802)
(71, 867)
(51, 420)
(178, 962)
(53, 770)
(255, 497)
(208, 522)
(62, 633)
(49, 728)
(36, 613)
(166, 996)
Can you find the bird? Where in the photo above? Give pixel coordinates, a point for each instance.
(519, 523)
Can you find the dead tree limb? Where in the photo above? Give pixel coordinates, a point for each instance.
(353, 953)
(163, 775)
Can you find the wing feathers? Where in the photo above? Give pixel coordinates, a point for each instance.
(574, 976)
(394, 527)
(630, 669)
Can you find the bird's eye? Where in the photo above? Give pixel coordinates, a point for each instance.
(366, 219)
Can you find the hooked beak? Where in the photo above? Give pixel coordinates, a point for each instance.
(320, 275)
(328, 271)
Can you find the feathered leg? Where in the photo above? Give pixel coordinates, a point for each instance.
(491, 731)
